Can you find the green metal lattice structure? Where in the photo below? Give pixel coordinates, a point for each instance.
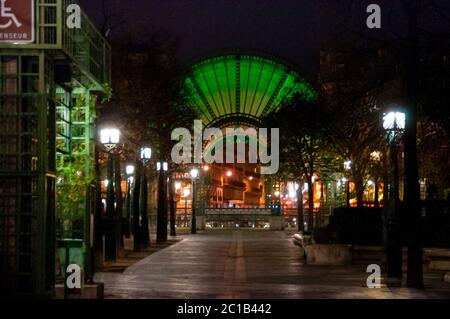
(241, 88)
(47, 95)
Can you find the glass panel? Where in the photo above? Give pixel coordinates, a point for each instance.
(261, 81)
(270, 90)
(230, 63)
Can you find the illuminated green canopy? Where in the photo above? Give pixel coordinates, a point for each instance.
(241, 88)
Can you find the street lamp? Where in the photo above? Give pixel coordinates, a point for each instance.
(394, 122)
(162, 166)
(194, 174)
(110, 137)
(129, 170)
(145, 153)
(347, 167)
(394, 125)
(161, 225)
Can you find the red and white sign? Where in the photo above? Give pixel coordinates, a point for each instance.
(17, 21)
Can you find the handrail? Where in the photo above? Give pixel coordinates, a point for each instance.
(86, 47)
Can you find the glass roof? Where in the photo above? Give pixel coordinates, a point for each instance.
(237, 86)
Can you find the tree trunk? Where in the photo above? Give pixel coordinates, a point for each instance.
(110, 234)
(119, 204)
(310, 205)
(347, 193)
(321, 212)
(136, 216)
(98, 227)
(160, 210)
(143, 207)
(300, 221)
(127, 212)
(172, 208)
(359, 188)
(194, 204)
(165, 218)
(394, 240)
(385, 208)
(412, 188)
(376, 200)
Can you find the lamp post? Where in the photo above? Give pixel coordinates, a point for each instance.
(394, 124)
(177, 198)
(343, 183)
(347, 167)
(186, 193)
(172, 207)
(110, 137)
(129, 170)
(370, 183)
(145, 155)
(194, 174)
(161, 225)
(300, 214)
(375, 156)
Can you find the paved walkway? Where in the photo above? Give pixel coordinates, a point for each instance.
(247, 264)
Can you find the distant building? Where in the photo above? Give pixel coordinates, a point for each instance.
(232, 90)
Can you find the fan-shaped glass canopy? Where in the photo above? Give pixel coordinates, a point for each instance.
(240, 88)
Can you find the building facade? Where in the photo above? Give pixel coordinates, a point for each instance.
(48, 88)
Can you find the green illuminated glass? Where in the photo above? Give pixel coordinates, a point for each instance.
(246, 85)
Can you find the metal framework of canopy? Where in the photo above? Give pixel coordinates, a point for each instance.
(241, 88)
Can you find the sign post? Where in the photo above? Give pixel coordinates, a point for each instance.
(17, 21)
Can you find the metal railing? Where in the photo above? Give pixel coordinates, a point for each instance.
(237, 217)
(85, 46)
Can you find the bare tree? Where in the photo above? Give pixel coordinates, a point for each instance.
(302, 145)
(409, 49)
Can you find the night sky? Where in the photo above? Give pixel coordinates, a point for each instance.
(288, 28)
(291, 29)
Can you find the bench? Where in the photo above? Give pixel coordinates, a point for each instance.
(301, 240)
(328, 255)
(439, 258)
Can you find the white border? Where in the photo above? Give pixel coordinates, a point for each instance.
(33, 28)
